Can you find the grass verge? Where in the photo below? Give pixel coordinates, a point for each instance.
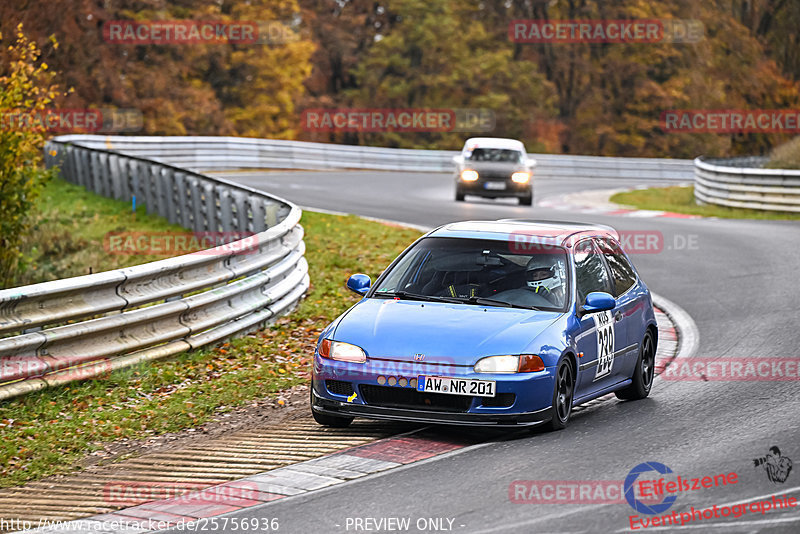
(68, 229)
(50, 431)
(681, 200)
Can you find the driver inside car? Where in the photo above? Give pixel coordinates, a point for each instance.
(545, 278)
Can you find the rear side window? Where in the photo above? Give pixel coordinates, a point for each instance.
(621, 270)
(591, 275)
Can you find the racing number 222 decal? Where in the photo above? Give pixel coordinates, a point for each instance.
(605, 343)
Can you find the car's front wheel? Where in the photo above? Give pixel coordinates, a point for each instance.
(336, 421)
(459, 196)
(563, 393)
(526, 201)
(642, 379)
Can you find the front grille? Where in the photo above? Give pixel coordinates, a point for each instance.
(501, 400)
(396, 397)
(337, 387)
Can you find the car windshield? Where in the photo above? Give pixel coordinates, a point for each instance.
(501, 155)
(483, 272)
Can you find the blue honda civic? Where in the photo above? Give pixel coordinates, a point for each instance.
(501, 323)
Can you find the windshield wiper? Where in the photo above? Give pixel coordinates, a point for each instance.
(415, 296)
(483, 301)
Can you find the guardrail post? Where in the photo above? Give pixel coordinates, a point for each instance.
(226, 206)
(82, 176)
(149, 176)
(94, 173)
(210, 204)
(259, 217)
(115, 176)
(182, 199)
(165, 185)
(272, 215)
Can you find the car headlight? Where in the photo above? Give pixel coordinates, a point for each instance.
(524, 363)
(521, 177)
(468, 175)
(344, 352)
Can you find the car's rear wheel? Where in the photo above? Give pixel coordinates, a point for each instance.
(459, 196)
(526, 201)
(563, 393)
(644, 373)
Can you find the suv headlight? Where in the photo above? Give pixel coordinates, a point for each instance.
(521, 177)
(524, 363)
(468, 175)
(344, 352)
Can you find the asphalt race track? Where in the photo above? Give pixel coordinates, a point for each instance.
(739, 283)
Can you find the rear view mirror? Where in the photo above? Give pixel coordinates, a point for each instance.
(493, 261)
(359, 283)
(597, 301)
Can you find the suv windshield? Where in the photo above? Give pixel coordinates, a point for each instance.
(484, 272)
(501, 155)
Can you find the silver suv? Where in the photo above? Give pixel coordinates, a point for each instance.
(492, 167)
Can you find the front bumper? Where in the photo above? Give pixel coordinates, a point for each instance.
(326, 406)
(478, 188)
(350, 389)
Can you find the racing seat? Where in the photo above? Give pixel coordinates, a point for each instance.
(460, 284)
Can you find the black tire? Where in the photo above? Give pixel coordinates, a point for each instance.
(644, 372)
(459, 196)
(335, 421)
(324, 419)
(526, 201)
(563, 394)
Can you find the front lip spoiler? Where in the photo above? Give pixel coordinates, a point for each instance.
(331, 407)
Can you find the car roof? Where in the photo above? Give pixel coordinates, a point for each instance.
(494, 142)
(560, 232)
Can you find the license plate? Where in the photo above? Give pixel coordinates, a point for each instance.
(495, 186)
(455, 386)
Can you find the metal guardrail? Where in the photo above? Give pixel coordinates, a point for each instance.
(728, 183)
(87, 326)
(221, 153)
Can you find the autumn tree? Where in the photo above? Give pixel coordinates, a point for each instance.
(438, 54)
(25, 92)
(181, 89)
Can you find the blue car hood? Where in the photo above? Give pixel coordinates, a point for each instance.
(444, 332)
